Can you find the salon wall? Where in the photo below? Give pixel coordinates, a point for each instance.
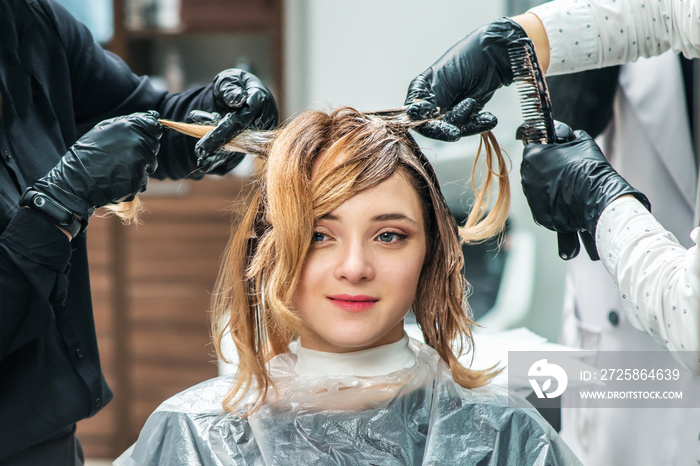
(364, 53)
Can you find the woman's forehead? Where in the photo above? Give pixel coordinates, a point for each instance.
(391, 198)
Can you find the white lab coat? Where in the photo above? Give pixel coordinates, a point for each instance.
(649, 144)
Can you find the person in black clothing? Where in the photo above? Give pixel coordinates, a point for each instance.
(56, 84)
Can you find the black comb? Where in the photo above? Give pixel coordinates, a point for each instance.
(535, 104)
(538, 127)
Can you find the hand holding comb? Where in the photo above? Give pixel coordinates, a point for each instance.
(538, 127)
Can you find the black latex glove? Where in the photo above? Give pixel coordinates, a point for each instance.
(569, 185)
(109, 164)
(468, 73)
(245, 103)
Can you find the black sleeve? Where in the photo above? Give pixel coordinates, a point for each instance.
(34, 257)
(103, 86)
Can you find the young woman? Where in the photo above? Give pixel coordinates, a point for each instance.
(346, 233)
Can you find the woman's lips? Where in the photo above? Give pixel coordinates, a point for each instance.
(353, 303)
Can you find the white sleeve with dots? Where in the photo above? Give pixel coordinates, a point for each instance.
(658, 279)
(586, 34)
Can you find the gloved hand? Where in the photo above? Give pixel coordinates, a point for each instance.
(109, 164)
(245, 103)
(568, 185)
(468, 73)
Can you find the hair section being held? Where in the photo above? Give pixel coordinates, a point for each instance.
(484, 221)
(128, 211)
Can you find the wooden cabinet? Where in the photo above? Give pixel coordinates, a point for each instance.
(224, 14)
(151, 283)
(211, 35)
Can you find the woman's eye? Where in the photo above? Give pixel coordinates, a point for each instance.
(390, 237)
(318, 237)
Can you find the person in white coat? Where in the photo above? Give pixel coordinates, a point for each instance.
(658, 281)
(648, 141)
(657, 278)
(654, 284)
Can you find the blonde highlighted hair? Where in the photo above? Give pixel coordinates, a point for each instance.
(350, 152)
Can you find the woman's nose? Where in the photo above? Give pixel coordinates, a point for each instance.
(354, 263)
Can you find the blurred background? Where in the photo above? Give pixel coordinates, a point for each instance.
(151, 283)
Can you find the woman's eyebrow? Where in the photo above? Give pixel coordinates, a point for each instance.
(376, 218)
(393, 216)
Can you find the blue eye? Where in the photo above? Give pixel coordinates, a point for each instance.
(390, 237)
(317, 237)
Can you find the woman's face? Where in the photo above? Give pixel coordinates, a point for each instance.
(361, 274)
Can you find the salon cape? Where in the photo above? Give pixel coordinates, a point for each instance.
(414, 415)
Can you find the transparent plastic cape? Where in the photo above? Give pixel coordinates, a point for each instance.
(414, 416)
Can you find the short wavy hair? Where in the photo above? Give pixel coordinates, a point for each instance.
(308, 168)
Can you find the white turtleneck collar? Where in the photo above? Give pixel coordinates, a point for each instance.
(371, 362)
